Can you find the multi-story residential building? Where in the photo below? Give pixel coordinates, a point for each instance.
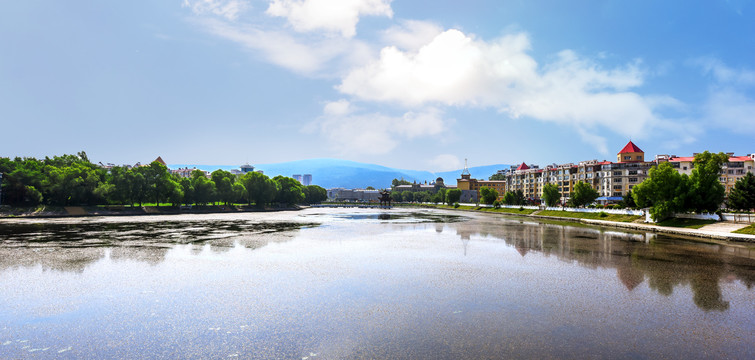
(307, 179)
(612, 180)
(732, 171)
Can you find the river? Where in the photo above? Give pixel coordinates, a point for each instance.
(360, 283)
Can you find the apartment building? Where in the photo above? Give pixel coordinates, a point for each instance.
(612, 180)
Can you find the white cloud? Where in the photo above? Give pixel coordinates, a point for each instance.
(228, 9)
(445, 162)
(730, 104)
(723, 73)
(307, 56)
(349, 131)
(455, 69)
(340, 16)
(731, 110)
(411, 34)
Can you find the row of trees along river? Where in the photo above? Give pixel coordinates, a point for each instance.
(74, 180)
(665, 191)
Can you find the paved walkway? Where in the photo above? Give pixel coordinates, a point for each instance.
(723, 227)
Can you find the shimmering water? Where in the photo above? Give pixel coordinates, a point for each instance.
(350, 283)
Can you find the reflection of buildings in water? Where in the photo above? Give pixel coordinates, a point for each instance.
(664, 262)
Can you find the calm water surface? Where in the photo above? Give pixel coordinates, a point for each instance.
(346, 283)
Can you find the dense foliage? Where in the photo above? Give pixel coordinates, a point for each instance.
(74, 180)
(488, 195)
(666, 191)
(583, 194)
(742, 196)
(514, 198)
(551, 195)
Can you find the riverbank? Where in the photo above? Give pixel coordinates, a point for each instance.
(85, 211)
(710, 232)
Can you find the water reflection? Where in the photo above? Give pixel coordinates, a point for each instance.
(663, 261)
(364, 286)
(72, 246)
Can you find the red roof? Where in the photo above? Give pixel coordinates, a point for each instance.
(739, 158)
(630, 148)
(604, 163)
(523, 167)
(692, 158)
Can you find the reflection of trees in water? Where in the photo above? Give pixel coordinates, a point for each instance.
(74, 246)
(665, 262)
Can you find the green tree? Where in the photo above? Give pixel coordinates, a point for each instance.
(369, 188)
(488, 195)
(258, 188)
(742, 196)
(188, 191)
(422, 196)
(583, 194)
(407, 196)
(497, 176)
(314, 194)
(514, 198)
(628, 201)
(396, 196)
(224, 191)
(453, 196)
(551, 195)
(665, 192)
(204, 188)
(290, 191)
(397, 182)
(159, 183)
(439, 197)
(706, 192)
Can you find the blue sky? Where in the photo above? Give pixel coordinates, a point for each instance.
(406, 84)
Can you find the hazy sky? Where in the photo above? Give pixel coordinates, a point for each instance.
(409, 84)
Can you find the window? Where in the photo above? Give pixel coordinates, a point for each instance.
(617, 187)
(627, 158)
(633, 179)
(639, 157)
(632, 172)
(630, 187)
(684, 168)
(617, 180)
(617, 173)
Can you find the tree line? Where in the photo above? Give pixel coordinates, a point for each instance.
(74, 180)
(666, 191)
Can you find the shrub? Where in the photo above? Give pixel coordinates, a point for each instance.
(456, 205)
(521, 208)
(603, 214)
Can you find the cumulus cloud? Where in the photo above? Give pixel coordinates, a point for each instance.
(338, 16)
(455, 69)
(411, 34)
(351, 131)
(228, 9)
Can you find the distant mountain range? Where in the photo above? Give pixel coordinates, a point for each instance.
(330, 173)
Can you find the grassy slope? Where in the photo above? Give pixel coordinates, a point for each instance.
(685, 223)
(750, 230)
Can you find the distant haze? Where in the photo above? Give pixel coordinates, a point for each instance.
(330, 173)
